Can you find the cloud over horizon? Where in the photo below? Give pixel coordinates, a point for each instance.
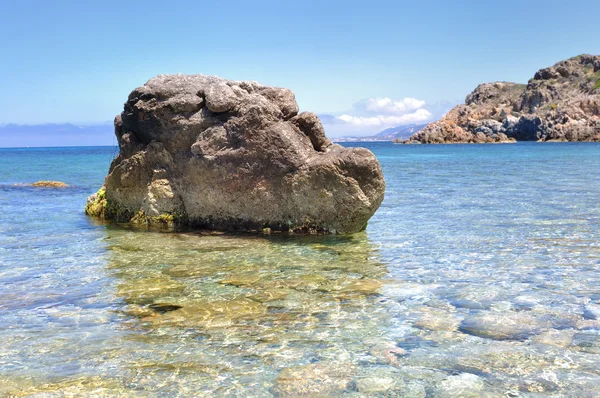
(388, 106)
(371, 115)
(420, 115)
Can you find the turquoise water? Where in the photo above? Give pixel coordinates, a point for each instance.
(478, 276)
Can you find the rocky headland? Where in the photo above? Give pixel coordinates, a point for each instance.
(560, 103)
(205, 152)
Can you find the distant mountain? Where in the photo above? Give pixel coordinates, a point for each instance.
(398, 132)
(402, 132)
(47, 135)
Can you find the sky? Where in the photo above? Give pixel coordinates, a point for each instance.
(364, 66)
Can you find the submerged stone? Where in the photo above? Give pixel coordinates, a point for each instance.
(591, 311)
(501, 326)
(463, 385)
(587, 342)
(317, 379)
(206, 152)
(438, 321)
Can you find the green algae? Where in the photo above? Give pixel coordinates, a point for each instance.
(96, 204)
(100, 207)
(163, 221)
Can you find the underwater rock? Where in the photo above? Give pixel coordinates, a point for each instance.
(316, 379)
(438, 321)
(370, 385)
(587, 342)
(462, 385)
(206, 152)
(591, 311)
(501, 326)
(556, 338)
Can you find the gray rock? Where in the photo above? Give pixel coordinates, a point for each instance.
(369, 385)
(207, 152)
(546, 74)
(527, 129)
(494, 126)
(220, 97)
(587, 342)
(462, 385)
(510, 122)
(591, 311)
(501, 326)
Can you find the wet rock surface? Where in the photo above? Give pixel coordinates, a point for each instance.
(211, 153)
(49, 184)
(560, 103)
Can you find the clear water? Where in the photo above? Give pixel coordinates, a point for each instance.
(478, 276)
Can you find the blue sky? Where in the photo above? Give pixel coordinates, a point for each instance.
(76, 61)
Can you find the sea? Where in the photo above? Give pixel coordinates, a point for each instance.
(478, 276)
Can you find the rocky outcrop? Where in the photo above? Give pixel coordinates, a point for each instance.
(49, 184)
(206, 152)
(560, 103)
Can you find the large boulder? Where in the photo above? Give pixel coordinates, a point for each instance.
(206, 152)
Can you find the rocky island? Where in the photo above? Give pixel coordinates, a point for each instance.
(560, 103)
(205, 152)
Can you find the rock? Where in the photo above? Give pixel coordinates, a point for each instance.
(438, 321)
(210, 153)
(310, 125)
(587, 342)
(510, 122)
(591, 311)
(370, 385)
(527, 129)
(463, 385)
(546, 74)
(501, 326)
(96, 204)
(317, 379)
(49, 184)
(556, 338)
(560, 103)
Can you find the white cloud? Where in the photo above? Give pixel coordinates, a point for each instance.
(388, 106)
(418, 116)
(372, 115)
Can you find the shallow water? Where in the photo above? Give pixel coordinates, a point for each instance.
(478, 276)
